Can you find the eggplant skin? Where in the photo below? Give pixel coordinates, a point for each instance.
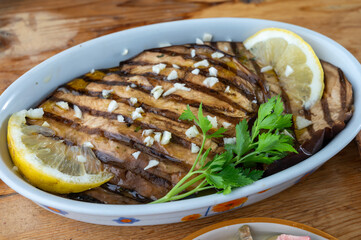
(329, 116)
(240, 89)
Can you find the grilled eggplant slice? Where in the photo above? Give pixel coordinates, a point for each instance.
(118, 136)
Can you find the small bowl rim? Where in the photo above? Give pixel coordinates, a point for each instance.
(278, 221)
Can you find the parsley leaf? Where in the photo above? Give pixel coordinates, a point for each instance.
(243, 140)
(268, 142)
(218, 133)
(188, 115)
(235, 167)
(204, 123)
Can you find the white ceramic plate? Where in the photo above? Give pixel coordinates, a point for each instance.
(261, 229)
(105, 52)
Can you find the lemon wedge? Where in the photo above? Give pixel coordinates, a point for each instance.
(294, 61)
(50, 164)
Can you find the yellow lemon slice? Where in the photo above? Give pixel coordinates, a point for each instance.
(50, 164)
(294, 61)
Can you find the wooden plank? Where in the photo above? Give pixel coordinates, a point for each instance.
(32, 31)
(5, 190)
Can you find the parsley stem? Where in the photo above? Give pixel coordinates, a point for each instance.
(248, 155)
(190, 183)
(173, 194)
(182, 184)
(199, 188)
(235, 167)
(175, 190)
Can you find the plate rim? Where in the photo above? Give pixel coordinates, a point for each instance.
(259, 220)
(110, 209)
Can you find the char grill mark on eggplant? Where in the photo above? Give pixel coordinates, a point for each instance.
(328, 116)
(115, 142)
(337, 95)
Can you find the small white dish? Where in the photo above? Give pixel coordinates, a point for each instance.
(261, 229)
(105, 52)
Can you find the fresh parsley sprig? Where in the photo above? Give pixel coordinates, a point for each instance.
(235, 167)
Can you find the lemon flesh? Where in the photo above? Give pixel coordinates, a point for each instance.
(48, 163)
(294, 61)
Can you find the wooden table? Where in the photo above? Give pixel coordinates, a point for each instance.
(33, 30)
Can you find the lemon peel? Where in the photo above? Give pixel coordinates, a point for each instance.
(48, 174)
(294, 61)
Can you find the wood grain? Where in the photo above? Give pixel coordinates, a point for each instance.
(32, 31)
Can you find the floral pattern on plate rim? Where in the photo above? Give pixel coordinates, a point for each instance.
(124, 220)
(191, 217)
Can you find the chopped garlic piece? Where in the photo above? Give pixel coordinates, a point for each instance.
(169, 91)
(213, 71)
(217, 55)
(127, 88)
(193, 53)
(181, 86)
(203, 63)
(63, 105)
(88, 144)
(302, 122)
(172, 75)
(147, 132)
(106, 93)
(229, 140)
(157, 91)
(81, 158)
(166, 138)
(64, 90)
(36, 113)
(133, 85)
(152, 163)
(210, 81)
(149, 141)
(175, 66)
(157, 68)
(177, 86)
(254, 101)
(199, 41)
(213, 121)
(192, 132)
(195, 71)
(266, 68)
(133, 100)
(226, 124)
(227, 90)
(125, 51)
(139, 109)
(112, 106)
(45, 124)
(120, 118)
(164, 44)
(289, 70)
(207, 37)
(194, 148)
(137, 113)
(157, 136)
(136, 154)
(78, 113)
